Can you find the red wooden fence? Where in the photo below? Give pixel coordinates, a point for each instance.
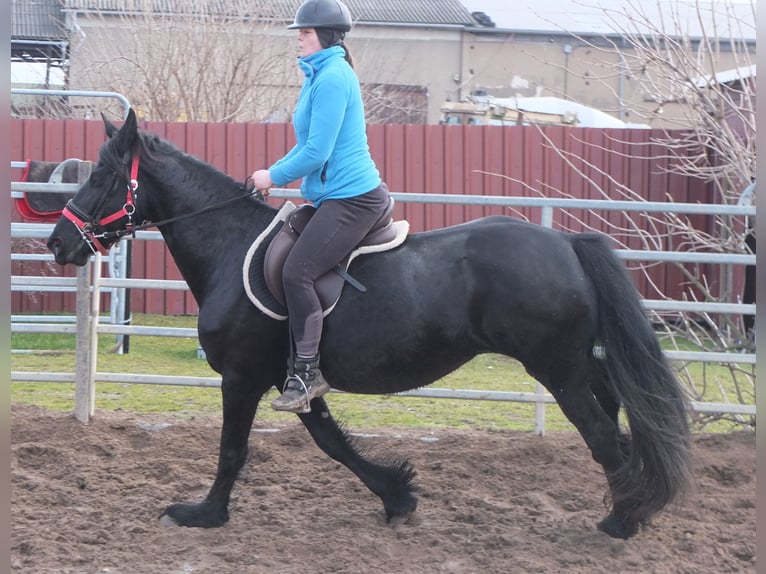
(411, 158)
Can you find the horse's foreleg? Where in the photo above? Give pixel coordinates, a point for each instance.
(393, 483)
(238, 413)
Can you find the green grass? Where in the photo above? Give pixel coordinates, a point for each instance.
(170, 356)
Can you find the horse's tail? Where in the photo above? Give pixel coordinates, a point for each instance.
(635, 371)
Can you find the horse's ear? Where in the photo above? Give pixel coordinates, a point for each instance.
(109, 127)
(126, 135)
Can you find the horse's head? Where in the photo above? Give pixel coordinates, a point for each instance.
(102, 211)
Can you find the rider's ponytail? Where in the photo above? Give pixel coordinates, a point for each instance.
(332, 37)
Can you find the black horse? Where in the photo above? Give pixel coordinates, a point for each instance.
(562, 304)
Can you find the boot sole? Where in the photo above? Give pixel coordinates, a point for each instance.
(300, 405)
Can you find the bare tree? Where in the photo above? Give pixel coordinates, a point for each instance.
(205, 61)
(716, 111)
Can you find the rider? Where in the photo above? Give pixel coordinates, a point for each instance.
(339, 178)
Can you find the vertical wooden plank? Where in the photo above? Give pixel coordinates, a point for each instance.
(53, 140)
(513, 165)
(473, 180)
(414, 174)
(596, 187)
(376, 141)
(94, 137)
(74, 139)
(435, 176)
(615, 221)
(454, 136)
(493, 158)
(657, 191)
(633, 179)
(396, 148)
(236, 151)
(215, 146)
(554, 168)
(533, 170)
(278, 140)
(575, 183)
(256, 155)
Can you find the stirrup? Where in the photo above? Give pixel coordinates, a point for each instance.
(302, 407)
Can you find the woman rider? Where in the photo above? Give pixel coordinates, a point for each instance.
(340, 179)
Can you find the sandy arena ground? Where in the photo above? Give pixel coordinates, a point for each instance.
(86, 499)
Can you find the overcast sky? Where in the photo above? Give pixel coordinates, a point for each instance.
(586, 16)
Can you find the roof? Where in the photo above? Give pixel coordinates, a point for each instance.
(727, 76)
(587, 117)
(689, 18)
(37, 20)
(422, 12)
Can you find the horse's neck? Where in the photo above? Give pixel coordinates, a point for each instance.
(203, 244)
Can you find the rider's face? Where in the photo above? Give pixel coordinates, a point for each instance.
(308, 42)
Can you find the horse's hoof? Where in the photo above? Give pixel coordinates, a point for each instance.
(202, 515)
(403, 513)
(399, 519)
(617, 528)
(167, 521)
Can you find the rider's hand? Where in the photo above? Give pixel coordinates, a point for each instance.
(262, 180)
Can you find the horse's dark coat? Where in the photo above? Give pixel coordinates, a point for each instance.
(496, 284)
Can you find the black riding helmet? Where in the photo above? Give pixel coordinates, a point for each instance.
(322, 14)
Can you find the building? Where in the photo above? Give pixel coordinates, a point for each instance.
(411, 56)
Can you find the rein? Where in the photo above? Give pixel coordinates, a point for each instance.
(87, 225)
(131, 230)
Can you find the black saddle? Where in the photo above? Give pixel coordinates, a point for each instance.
(267, 256)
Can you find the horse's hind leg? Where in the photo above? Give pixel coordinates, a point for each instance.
(596, 421)
(239, 406)
(393, 483)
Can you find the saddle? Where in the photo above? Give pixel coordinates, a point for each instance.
(42, 205)
(262, 270)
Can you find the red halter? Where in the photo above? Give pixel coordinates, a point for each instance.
(87, 225)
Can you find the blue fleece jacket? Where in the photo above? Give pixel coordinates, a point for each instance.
(330, 130)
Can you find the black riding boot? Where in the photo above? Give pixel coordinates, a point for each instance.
(304, 382)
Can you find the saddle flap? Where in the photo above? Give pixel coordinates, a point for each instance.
(262, 269)
(299, 218)
(328, 286)
(274, 260)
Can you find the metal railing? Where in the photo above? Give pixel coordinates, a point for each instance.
(540, 397)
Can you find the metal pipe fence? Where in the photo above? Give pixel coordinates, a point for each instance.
(87, 375)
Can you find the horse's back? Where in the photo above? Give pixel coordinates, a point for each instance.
(495, 284)
(527, 258)
(523, 260)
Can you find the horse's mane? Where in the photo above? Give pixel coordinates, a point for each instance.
(158, 155)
